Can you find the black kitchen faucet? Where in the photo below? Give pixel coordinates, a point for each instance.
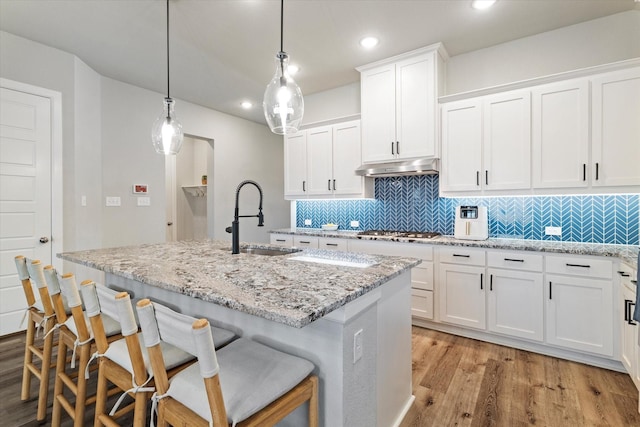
(235, 225)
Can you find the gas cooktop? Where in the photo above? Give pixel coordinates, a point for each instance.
(400, 234)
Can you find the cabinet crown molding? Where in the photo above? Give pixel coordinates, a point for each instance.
(439, 47)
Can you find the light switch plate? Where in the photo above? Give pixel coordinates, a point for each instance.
(112, 201)
(553, 231)
(354, 224)
(144, 201)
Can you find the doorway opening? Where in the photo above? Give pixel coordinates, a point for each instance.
(187, 189)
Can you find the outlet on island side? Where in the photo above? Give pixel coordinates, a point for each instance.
(357, 346)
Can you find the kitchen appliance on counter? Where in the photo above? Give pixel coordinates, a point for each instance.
(472, 223)
(399, 234)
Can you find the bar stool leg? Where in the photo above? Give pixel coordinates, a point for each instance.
(28, 359)
(47, 349)
(81, 396)
(101, 397)
(58, 385)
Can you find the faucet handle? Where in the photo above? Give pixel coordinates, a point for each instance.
(260, 219)
(228, 229)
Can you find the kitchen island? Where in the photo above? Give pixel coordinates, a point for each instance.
(349, 314)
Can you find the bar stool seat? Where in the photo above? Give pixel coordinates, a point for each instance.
(173, 356)
(253, 376)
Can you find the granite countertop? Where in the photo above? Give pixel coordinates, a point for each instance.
(626, 253)
(277, 288)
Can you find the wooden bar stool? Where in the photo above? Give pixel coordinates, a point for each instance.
(75, 334)
(123, 363)
(39, 314)
(243, 384)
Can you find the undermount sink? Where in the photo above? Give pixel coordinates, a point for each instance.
(267, 251)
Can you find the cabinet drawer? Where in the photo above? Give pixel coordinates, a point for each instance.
(281, 239)
(462, 256)
(627, 277)
(305, 242)
(514, 260)
(422, 303)
(422, 276)
(332, 244)
(578, 266)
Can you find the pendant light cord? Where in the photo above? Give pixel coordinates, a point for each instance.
(281, 25)
(168, 93)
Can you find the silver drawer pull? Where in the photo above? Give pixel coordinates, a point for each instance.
(578, 265)
(514, 260)
(462, 256)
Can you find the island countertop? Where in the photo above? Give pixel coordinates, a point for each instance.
(277, 288)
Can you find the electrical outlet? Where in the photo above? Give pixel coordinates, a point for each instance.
(83, 201)
(355, 224)
(112, 201)
(144, 201)
(357, 346)
(553, 231)
(307, 222)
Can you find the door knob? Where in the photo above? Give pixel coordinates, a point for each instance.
(44, 240)
(169, 224)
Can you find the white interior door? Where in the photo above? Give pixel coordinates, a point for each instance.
(25, 194)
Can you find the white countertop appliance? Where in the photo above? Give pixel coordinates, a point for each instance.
(472, 223)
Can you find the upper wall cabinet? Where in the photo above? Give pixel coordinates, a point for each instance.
(486, 143)
(320, 162)
(560, 115)
(399, 105)
(615, 118)
(537, 139)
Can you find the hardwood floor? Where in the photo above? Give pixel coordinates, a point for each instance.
(456, 381)
(463, 382)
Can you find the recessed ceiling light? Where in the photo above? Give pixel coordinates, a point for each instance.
(246, 105)
(482, 4)
(293, 69)
(368, 42)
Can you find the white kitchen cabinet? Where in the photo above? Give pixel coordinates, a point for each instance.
(560, 135)
(285, 240)
(331, 243)
(579, 304)
(461, 287)
(295, 164)
(616, 128)
(398, 104)
(629, 329)
(486, 143)
(321, 162)
(515, 303)
(461, 146)
(305, 242)
(421, 275)
(506, 141)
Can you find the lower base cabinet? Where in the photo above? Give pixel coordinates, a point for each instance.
(462, 295)
(515, 304)
(629, 338)
(580, 313)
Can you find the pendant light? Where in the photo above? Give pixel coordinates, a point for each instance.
(283, 104)
(166, 132)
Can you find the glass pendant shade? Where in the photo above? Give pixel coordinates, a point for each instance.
(283, 103)
(166, 132)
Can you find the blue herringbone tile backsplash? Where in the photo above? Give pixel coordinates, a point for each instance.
(412, 203)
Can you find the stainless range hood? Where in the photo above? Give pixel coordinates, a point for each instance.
(399, 168)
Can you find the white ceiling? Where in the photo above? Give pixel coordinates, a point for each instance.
(222, 51)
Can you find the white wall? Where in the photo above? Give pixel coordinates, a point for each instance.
(600, 41)
(191, 210)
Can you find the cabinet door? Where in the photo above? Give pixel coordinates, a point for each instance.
(507, 141)
(515, 303)
(461, 146)
(295, 164)
(319, 160)
(415, 107)
(461, 295)
(560, 130)
(305, 242)
(422, 304)
(285, 240)
(378, 113)
(347, 157)
(629, 333)
(580, 313)
(616, 128)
